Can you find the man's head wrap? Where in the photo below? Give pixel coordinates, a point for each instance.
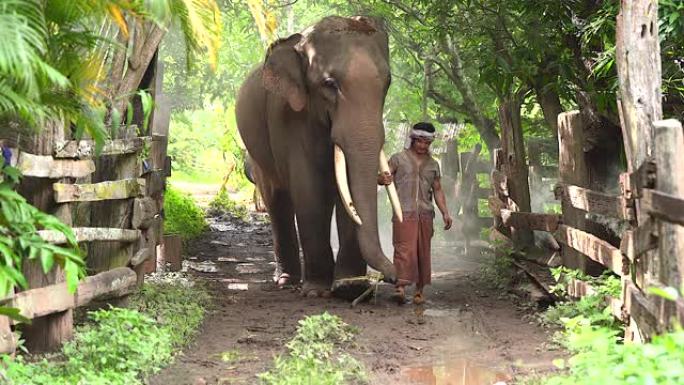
(421, 130)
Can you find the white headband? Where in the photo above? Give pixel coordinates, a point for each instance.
(422, 134)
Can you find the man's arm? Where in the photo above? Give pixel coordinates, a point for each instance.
(440, 199)
(386, 178)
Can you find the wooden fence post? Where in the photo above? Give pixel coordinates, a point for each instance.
(639, 73)
(49, 332)
(572, 169)
(637, 56)
(669, 155)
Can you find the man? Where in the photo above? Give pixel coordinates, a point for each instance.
(417, 177)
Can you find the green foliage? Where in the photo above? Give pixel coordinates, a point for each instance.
(54, 55)
(20, 242)
(223, 203)
(497, 271)
(593, 309)
(174, 306)
(316, 355)
(119, 346)
(599, 358)
(182, 215)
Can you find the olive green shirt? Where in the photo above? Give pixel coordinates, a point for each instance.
(414, 183)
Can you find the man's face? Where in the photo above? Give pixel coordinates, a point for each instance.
(421, 145)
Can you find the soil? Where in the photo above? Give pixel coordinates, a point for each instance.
(465, 333)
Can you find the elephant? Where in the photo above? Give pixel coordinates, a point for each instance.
(310, 117)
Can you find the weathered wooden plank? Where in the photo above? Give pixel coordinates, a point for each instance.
(156, 183)
(669, 156)
(641, 310)
(119, 189)
(572, 169)
(592, 246)
(593, 201)
(114, 283)
(91, 234)
(144, 212)
(663, 206)
(500, 183)
(496, 205)
(639, 240)
(637, 56)
(532, 221)
(81, 149)
(44, 166)
(39, 302)
(7, 342)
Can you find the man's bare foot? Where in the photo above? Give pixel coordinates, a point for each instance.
(399, 295)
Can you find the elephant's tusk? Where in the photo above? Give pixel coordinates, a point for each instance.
(343, 185)
(391, 188)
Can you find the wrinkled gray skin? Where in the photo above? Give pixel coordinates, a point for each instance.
(322, 87)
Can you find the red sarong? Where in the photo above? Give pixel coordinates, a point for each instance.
(411, 239)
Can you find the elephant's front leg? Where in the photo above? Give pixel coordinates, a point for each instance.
(349, 262)
(313, 201)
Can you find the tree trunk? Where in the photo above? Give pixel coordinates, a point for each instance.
(485, 126)
(515, 164)
(551, 107)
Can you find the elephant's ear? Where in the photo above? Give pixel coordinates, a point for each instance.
(283, 72)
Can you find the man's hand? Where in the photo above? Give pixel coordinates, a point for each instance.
(385, 178)
(447, 221)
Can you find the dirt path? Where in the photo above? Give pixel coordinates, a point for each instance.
(464, 334)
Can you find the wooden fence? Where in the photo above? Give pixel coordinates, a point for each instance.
(463, 187)
(113, 201)
(628, 221)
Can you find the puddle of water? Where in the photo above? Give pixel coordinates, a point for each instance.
(228, 259)
(248, 268)
(440, 312)
(203, 267)
(238, 286)
(459, 372)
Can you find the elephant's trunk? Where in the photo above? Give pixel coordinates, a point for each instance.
(362, 167)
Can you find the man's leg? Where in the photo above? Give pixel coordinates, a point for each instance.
(405, 242)
(425, 232)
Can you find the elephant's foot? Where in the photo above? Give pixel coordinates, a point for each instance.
(316, 290)
(350, 288)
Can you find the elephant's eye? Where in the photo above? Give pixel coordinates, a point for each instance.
(331, 83)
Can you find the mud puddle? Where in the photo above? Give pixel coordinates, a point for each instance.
(457, 372)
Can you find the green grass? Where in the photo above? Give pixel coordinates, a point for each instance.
(194, 177)
(182, 215)
(316, 355)
(119, 346)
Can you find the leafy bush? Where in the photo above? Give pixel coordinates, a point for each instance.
(222, 203)
(316, 355)
(599, 358)
(497, 272)
(20, 242)
(593, 308)
(119, 346)
(182, 215)
(174, 306)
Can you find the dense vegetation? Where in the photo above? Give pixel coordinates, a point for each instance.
(119, 345)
